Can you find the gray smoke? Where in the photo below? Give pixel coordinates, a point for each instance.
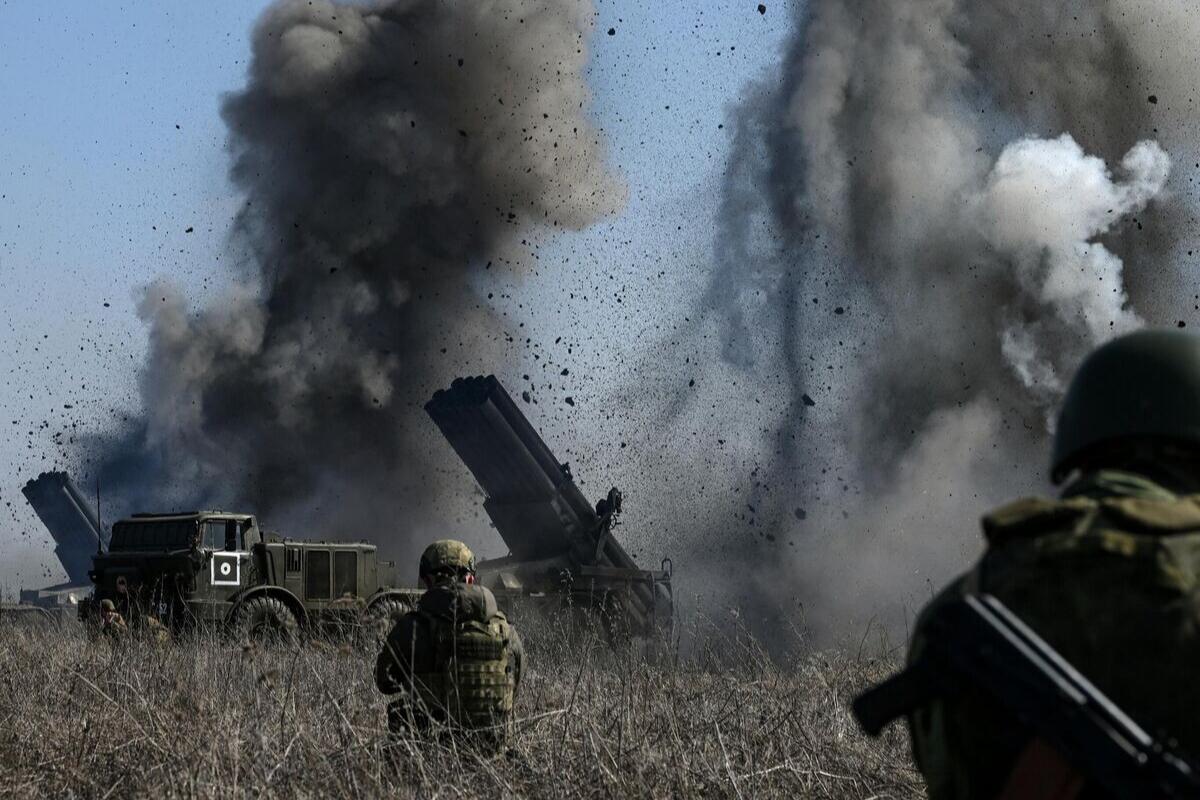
(928, 219)
(388, 152)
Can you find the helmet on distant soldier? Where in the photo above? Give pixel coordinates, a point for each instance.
(1143, 386)
(447, 559)
(106, 605)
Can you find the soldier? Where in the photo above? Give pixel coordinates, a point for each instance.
(1109, 574)
(155, 631)
(455, 660)
(112, 624)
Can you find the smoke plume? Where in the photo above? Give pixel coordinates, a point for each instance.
(388, 152)
(959, 203)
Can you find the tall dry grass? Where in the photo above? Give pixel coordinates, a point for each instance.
(207, 717)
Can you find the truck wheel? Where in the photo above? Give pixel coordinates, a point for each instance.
(266, 620)
(380, 618)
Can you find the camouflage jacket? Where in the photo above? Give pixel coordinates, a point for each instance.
(1110, 577)
(114, 627)
(414, 661)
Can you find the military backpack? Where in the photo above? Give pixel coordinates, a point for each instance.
(471, 682)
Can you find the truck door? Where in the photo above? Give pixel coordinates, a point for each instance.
(345, 575)
(228, 566)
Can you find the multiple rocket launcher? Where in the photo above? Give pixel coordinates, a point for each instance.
(561, 547)
(75, 527)
(559, 543)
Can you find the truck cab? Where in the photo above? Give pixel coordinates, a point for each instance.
(203, 568)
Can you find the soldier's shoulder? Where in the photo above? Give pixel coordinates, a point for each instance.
(1033, 516)
(459, 601)
(1036, 516)
(485, 601)
(1175, 515)
(482, 591)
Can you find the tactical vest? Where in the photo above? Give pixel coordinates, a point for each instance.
(1133, 545)
(471, 682)
(1113, 584)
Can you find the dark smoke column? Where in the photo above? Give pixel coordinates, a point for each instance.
(387, 152)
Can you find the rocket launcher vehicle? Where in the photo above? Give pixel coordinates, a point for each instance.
(75, 527)
(561, 546)
(70, 519)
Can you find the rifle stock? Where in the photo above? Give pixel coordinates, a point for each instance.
(976, 640)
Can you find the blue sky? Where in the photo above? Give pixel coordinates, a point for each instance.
(111, 149)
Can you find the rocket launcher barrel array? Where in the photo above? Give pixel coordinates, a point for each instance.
(533, 501)
(70, 519)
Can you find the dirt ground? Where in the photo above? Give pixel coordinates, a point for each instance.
(206, 716)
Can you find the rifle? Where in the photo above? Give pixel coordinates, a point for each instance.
(976, 640)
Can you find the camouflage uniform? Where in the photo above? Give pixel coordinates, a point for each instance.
(156, 632)
(112, 624)
(455, 660)
(1108, 575)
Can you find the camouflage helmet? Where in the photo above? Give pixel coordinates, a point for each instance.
(107, 605)
(1144, 385)
(447, 554)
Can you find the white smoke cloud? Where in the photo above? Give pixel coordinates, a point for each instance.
(962, 182)
(1042, 207)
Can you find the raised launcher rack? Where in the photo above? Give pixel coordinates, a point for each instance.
(72, 523)
(560, 545)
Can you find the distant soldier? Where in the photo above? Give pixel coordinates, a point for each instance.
(156, 632)
(112, 624)
(1109, 574)
(455, 660)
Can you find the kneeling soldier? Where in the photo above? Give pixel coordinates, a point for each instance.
(112, 624)
(455, 660)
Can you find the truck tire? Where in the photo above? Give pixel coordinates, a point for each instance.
(267, 620)
(380, 618)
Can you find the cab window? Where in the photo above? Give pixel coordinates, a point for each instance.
(316, 574)
(220, 534)
(345, 573)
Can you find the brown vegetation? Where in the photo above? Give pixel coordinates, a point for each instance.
(207, 717)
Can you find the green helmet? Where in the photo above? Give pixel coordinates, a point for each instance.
(447, 554)
(1145, 385)
(107, 605)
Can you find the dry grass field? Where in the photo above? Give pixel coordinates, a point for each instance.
(208, 717)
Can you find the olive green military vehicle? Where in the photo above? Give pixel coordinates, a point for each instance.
(214, 568)
(211, 568)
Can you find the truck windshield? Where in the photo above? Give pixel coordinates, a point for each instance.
(153, 535)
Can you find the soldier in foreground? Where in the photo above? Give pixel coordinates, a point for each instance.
(454, 663)
(1108, 575)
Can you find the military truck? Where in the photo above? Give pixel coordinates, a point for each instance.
(212, 568)
(219, 568)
